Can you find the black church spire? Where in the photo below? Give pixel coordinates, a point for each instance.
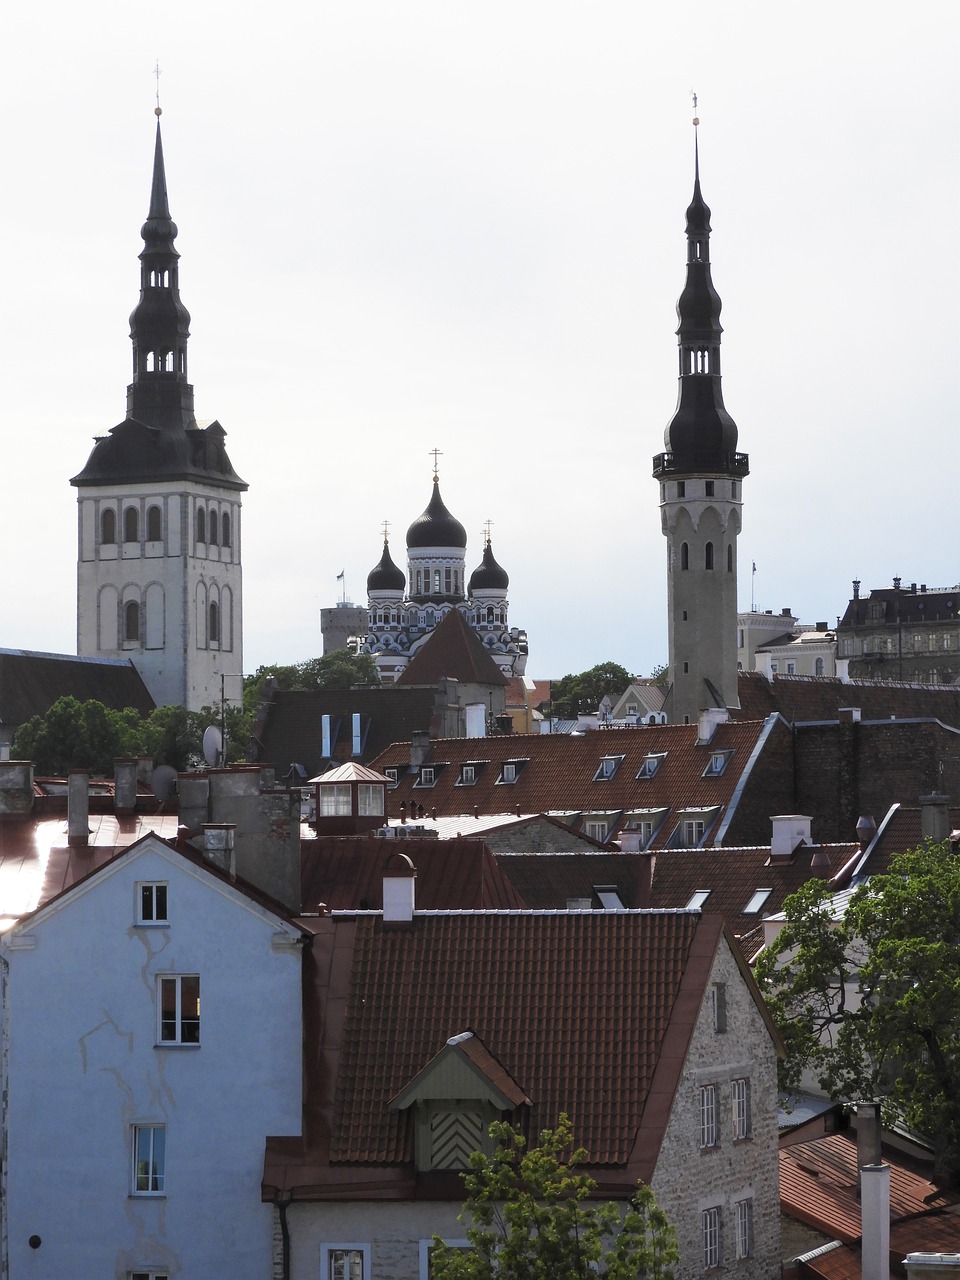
(701, 436)
(160, 394)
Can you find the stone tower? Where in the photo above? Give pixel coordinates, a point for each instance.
(158, 566)
(700, 474)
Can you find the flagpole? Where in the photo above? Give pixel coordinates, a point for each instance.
(753, 588)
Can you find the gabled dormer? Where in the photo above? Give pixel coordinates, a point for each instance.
(457, 1096)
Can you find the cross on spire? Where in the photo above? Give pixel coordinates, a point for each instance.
(156, 71)
(487, 526)
(386, 529)
(436, 455)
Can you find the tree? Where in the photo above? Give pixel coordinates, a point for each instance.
(870, 1000)
(660, 676)
(583, 692)
(74, 735)
(531, 1218)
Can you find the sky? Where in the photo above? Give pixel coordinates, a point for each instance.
(418, 224)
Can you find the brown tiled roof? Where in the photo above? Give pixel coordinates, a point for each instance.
(347, 874)
(453, 651)
(292, 729)
(901, 831)
(546, 995)
(557, 772)
(818, 1186)
(818, 698)
(546, 881)
(30, 683)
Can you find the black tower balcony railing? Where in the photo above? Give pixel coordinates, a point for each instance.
(698, 462)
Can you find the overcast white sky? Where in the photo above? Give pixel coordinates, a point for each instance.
(408, 224)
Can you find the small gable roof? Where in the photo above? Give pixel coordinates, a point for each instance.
(453, 651)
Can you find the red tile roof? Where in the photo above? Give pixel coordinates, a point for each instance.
(543, 992)
(453, 651)
(347, 874)
(818, 1186)
(558, 772)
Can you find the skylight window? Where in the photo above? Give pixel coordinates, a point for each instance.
(651, 764)
(756, 902)
(698, 899)
(609, 896)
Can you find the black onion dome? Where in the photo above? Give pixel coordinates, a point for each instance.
(436, 527)
(488, 575)
(386, 576)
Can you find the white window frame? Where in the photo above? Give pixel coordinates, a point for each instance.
(743, 1210)
(756, 902)
(698, 899)
(156, 892)
(607, 767)
(693, 830)
(156, 1167)
(650, 766)
(328, 1254)
(508, 773)
(709, 1119)
(740, 1096)
(370, 800)
(391, 774)
(710, 1225)
(428, 776)
(174, 982)
(716, 764)
(336, 800)
(468, 775)
(597, 830)
(427, 1245)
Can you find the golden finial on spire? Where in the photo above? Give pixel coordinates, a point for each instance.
(157, 111)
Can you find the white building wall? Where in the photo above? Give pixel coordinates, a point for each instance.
(178, 660)
(80, 987)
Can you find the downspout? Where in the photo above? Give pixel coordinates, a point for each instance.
(282, 1201)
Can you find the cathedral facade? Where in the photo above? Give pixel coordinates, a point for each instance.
(158, 563)
(403, 609)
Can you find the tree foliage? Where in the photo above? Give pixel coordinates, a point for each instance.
(338, 670)
(531, 1218)
(584, 691)
(870, 1001)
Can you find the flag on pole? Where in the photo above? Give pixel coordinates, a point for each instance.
(343, 571)
(754, 566)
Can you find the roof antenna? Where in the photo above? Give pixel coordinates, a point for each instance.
(157, 111)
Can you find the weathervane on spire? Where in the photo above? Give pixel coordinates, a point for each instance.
(157, 111)
(436, 454)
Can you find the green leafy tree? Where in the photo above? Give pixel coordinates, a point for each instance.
(660, 675)
(531, 1217)
(870, 1001)
(73, 735)
(584, 691)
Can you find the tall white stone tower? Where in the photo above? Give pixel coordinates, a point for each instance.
(701, 476)
(158, 566)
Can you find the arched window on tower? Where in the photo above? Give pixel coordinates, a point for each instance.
(154, 524)
(491, 614)
(108, 525)
(708, 556)
(225, 539)
(729, 557)
(131, 620)
(201, 525)
(684, 556)
(818, 667)
(214, 522)
(214, 623)
(131, 525)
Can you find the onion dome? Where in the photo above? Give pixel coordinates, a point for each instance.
(436, 527)
(386, 576)
(488, 575)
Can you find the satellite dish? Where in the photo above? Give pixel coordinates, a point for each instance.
(212, 745)
(162, 781)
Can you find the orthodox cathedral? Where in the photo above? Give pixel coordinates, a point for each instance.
(403, 610)
(158, 563)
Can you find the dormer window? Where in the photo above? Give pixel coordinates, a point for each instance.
(650, 765)
(510, 770)
(428, 776)
(390, 773)
(717, 763)
(468, 775)
(607, 767)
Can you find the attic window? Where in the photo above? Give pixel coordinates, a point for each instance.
(428, 776)
(756, 902)
(651, 764)
(717, 764)
(699, 898)
(468, 773)
(596, 830)
(510, 770)
(609, 896)
(607, 767)
(391, 773)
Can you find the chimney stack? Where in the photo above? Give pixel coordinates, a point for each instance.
(399, 889)
(125, 785)
(78, 808)
(935, 817)
(16, 787)
(219, 839)
(790, 830)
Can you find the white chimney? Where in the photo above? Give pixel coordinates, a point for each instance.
(708, 722)
(875, 1221)
(789, 831)
(399, 889)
